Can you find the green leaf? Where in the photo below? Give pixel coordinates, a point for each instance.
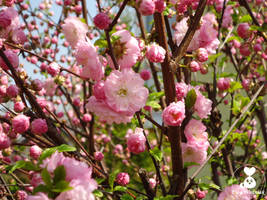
(155, 96)
(190, 99)
(62, 186)
(232, 181)
(46, 177)
(234, 86)
(168, 197)
(127, 197)
(111, 180)
(213, 57)
(27, 165)
(153, 104)
(207, 186)
(188, 164)
(234, 38)
(245, 18)
(114, 38)
(120, 188)
(49, 151)
(156, 153)
(98, 193)
(41, 188)
(101, 43)
(83, 20)
(255, 28)
(59, 174)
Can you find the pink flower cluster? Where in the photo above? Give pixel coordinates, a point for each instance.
(77, 173)
(195, 149)
(205, 36)
(118, 97)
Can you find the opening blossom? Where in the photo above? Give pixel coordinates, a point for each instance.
(20, 123)
(174, 114)
(155, 53)
(39, 126)
(235, 192)
(136, 142)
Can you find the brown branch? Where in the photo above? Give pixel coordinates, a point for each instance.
(181, 50)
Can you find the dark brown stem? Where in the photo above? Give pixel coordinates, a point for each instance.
(263, 121)
(174, 134)
(111, 52)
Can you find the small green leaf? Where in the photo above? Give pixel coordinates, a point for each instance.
(155, 96)
(156, 153)
(114, 38)
(98, 193)
(120, 188)
(27, 165)
(153, 104)
(101, 43)
(41, 188)
(49, 151)
(83, 20)
(46, 177)
(234, 86)
(245, 18)
(190, 99)
(188, 164)
(59, 174)
(127, 197)
(62, 186)
(207, 186)
(111, 180)
(213, 57)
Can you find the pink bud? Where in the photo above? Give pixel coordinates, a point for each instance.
(223, 84)
(21, 195)
(145, 74)
(123, 178)
(5, 19)
(200, 194)
(39, 126)
(19, 106)
(155, 53)
(21, 123)
(87, 118)
(12, 91)
(98, 155)
(202, 55)
(37, 85)
(99, 92)
(35, 151)
(102, 21)
(152, 183)
(160, 6)
(136, 142)
(245, 50)
(147, 7)
(194, 66)
(77, 101)
(257, 47)
(53, 69)
(174, 114)
(243, 30)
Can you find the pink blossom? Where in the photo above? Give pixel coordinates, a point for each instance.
(11, 14)
(102, 21)
(19, 106)
(160, 6)
(21, 195)
(35, 151)
(227, 17)
(82, 190)
(18, 36)
(105, 113)
(155, 53)
(87, 118)
(192, 153)
(201, 194)
(126, 50)
(98, 155)
(12, 91)
(181, 90)
(94, 70)
(50, 87)
(39, 126)
(202, 105)
(202, 55)
(74, 30)
(21, 123)
(235, 192)
(243, 30)
(223, 83)
(12, 57)
(38, 196)
(174, 114)
(136, 142)
(85, 52)
(146, 7)
(5, 19)
(152, 183)
(195, 131)
(4, 141)
(194, 66)
(123, 178)
(53, 69)
(125, 92)
(245, 49)
(37, 85)
(99, 92)
(53, 162)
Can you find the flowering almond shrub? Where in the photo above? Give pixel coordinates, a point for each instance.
(133, 99)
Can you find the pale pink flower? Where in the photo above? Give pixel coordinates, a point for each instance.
(155, 53)
(194, 66)
(50, 87)
(93, 70)
(202, 105)
(99, 92)
(147, 7)
(174, 114)
(123, 178)
(105, 113)
(21, 123)
(18, 36)
(11, 14)
(136, 142)
(53, 162)
(74, 30)
(243, 30)
(38, 196)
(125, 91)
(192, 153)
(235, 192)
(39, 126)
(181, 90)
(195, 131)
(202, 55)
(21, 195)
(227, 17)
(84, 52)
(82, 190)
(126, 50)
(223, 83)
(53, 69)
(98, 155)
(12, 57)
(12, 91)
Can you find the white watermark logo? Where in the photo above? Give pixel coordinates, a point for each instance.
(249, 182)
